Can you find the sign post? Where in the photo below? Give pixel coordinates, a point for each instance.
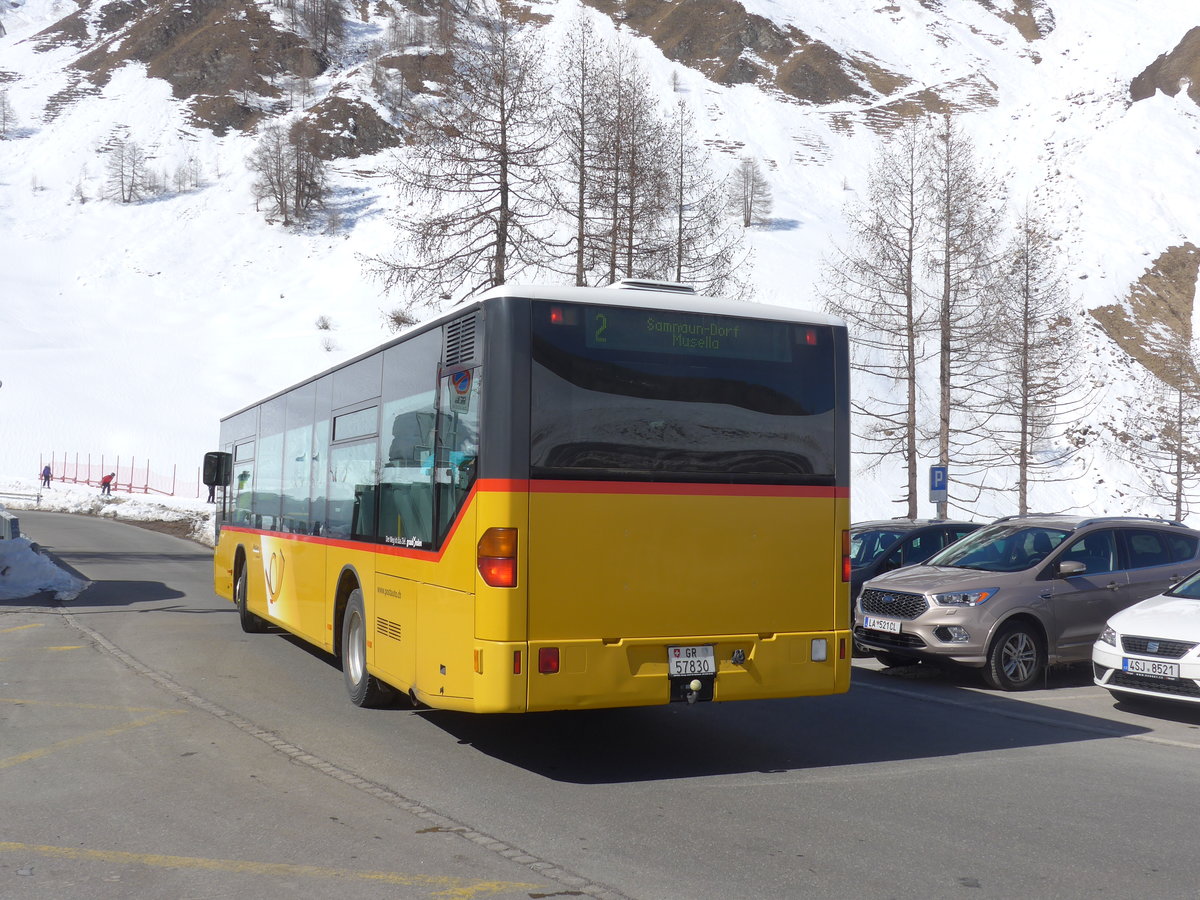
(939, 484)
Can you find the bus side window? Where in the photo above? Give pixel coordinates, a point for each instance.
(405, 489)
(457, 443)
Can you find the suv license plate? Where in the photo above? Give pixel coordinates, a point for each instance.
(891, 626)
(691, 661)
(1150, 667)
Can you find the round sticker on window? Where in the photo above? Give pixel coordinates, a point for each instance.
(460, 400)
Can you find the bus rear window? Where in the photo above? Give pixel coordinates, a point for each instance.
(657, 395)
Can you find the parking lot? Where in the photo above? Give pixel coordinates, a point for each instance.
(153, 749)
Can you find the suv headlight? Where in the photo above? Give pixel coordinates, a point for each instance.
(965, 598)
(1108, 636)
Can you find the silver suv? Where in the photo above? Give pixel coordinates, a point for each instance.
(1022, 593)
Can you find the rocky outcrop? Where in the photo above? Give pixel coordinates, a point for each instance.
(1172, 72)
(341, 127)
(733, 46)
(1155, 322)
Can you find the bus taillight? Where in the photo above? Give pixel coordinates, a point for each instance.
(497, 557)
(845, 554)
(547, 660)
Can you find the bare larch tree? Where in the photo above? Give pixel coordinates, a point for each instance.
(873, 285)
(1034, 351)
(750, 192)
(475, 177)
(702, 248)
(965, 209)
(1168, 454)
(578, 120)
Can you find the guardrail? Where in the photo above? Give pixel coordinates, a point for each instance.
(17, 495)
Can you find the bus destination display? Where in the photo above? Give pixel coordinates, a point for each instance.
(615, 328)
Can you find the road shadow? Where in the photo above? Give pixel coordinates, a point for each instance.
(101, 594)
(1055, 678)
(868, 725)
(1160, 710)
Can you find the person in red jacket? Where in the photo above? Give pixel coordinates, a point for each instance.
(106, 483)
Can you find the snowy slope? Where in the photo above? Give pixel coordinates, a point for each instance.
(129, 330)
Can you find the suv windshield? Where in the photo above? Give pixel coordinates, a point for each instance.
(1006, 547)
(1189, 587)
(868, 546)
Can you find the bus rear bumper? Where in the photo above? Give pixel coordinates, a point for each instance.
(634, 672)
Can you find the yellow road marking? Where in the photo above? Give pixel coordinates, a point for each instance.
(451, 886)
(83, 738)
(72, 647)
(21, 627)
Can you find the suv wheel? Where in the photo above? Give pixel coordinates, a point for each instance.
(1016, 658)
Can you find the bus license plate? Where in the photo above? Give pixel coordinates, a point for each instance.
(691, 661)
(891, 626)
(1150, 667)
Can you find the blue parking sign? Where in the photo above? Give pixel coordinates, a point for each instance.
(939, 482)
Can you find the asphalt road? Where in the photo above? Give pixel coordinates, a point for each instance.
(149, 748)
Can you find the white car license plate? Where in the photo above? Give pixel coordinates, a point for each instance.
(691, 661)
(891, 626)
(1150, 667)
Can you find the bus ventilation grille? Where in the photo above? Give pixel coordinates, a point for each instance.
(459, 348)
(388, 628)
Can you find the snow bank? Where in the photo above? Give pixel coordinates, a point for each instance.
(88, 501)
(25, 572)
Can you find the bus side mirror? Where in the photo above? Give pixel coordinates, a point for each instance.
(218, 469)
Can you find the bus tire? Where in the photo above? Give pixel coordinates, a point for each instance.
(251, 624)
(365, 690)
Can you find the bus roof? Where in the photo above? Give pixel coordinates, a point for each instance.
(676, 300)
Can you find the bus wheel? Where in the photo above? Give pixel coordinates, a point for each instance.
(251, 624)
(365, 689)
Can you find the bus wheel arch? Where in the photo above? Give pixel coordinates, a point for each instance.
(251, 623)
(365, 689)
(348, 583)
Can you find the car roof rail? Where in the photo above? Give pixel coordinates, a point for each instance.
(1153, 520)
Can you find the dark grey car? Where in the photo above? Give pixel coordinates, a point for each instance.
(1022, 593)
(889, 544)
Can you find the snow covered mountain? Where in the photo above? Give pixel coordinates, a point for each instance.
(129, 329)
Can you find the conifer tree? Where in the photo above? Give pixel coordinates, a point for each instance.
(1036, 380)
(873, 284)
(474, 182)
(750, 192)
(701, 247)
(964, 211)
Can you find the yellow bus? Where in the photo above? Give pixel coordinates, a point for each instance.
(556, 498)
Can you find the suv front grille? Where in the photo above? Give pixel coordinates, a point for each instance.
(883, 638)
(1163, 648)
(891, 603)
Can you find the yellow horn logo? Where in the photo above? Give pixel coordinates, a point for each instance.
(274, 575)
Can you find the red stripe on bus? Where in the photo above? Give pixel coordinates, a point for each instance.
(505, 485)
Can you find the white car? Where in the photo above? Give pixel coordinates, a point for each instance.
(1152, 649)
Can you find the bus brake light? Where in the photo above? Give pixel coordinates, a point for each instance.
(846, 564)
(497, 557)
(547, 660)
